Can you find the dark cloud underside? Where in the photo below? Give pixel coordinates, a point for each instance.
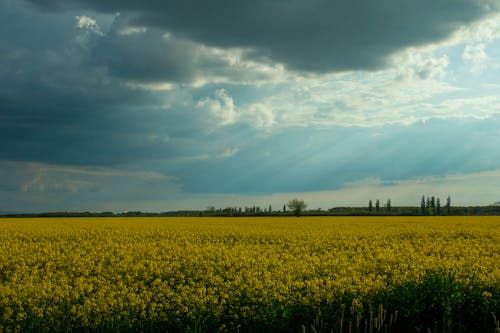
(305, 35)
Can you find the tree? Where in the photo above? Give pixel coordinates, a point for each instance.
(228, 211)
(297, 206)
(422, 205)
(438, 206)
(388, 205)
(427, 206)
(370, 206)
(377, 205)
(433, 205)
(448, 205)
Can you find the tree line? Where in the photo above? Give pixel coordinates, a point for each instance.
(428, 206)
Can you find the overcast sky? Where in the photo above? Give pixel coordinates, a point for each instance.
(165, 105)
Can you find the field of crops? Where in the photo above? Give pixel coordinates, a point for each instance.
(281, 274)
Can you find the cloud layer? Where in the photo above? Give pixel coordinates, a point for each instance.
(245, 99)
(313, 36)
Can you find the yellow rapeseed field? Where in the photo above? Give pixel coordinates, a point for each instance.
(268, 274)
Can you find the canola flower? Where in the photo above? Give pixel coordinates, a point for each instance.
(249, 274)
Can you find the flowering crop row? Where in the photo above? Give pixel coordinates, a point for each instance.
(250, 274)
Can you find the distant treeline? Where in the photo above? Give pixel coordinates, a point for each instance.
(362, 211)
(103, 214)
(336, 211)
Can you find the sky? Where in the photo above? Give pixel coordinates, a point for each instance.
(172, 105)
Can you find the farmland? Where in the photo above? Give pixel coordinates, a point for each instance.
(281, 274)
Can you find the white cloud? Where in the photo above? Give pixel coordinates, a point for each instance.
(422, 66)
(221, 107)
(236, 68)
(355, 99)
(258, 115)
(481, 31)
(89, 24)
(472, 107)
(476, 55)
(229, 152)
(87, 29)
(162, 86)
(130, 30)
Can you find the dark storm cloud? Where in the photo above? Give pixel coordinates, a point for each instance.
(151, 55)
(145, 56)
(69, 95)
(57, 105)
(317, 35)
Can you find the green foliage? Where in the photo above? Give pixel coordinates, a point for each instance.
(297, 206)
(441, 302)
